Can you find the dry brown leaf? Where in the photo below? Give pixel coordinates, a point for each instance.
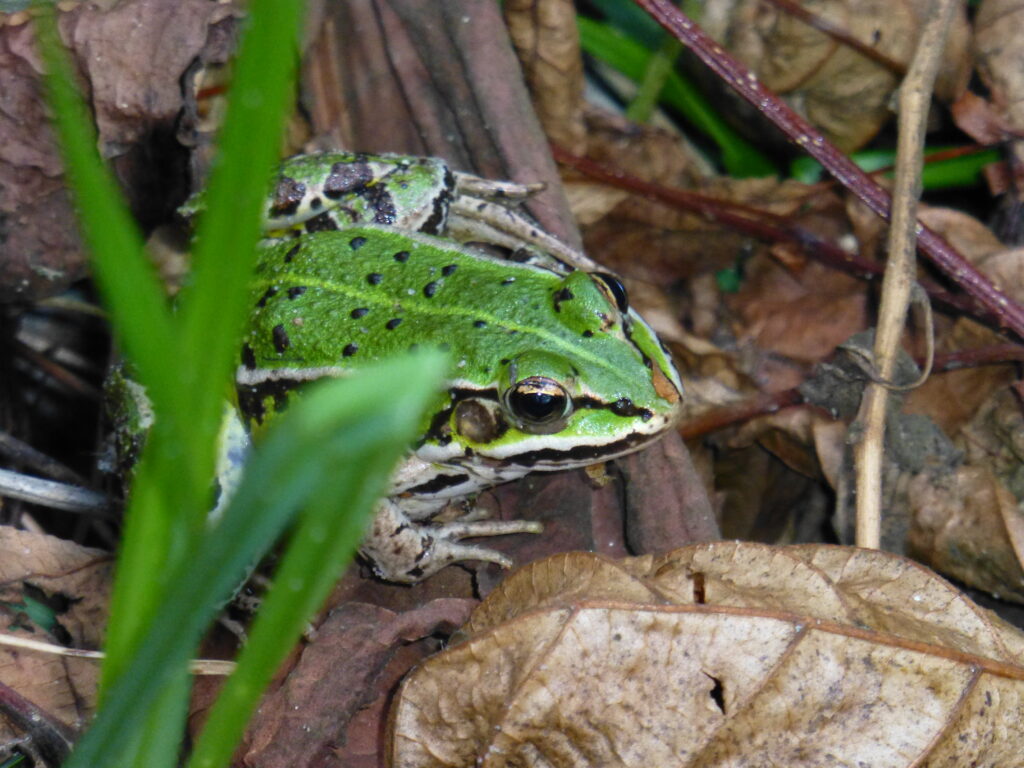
(358, 655)
(803, 315)
(749, 655)
(995, 439)
(76, 580)
(547, 43)
(951, 398)
(1000, 52)
(133, 56)
(979, 119)
(841, 91)
(41, 254)
(969, 526)
(970, 237)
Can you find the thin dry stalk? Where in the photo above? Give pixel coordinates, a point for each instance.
(915, 99)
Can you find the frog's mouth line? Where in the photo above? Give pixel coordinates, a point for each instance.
(552, 459)
(569, 455)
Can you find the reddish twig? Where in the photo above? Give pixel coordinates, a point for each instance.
(997, 354)
(1008, 313)
(757, 223)
(765, 404)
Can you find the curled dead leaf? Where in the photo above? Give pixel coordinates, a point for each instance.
(73, 582)
(547, 43)
(839, 89)
(715, 654)
(132, 56)
(969, 525)
(1000, 55)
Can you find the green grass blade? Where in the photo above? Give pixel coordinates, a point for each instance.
(963, 171)
(181, 449)
(212, 316)
(327, 536)
(659, 68)
(131, 291)
(354, 428)
(139, 313)
(739, 157)
(633, 21)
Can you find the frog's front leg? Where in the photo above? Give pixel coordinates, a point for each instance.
(406, 551)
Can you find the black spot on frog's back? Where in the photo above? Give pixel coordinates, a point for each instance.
(288, 195)
(346, 178)
(267, 296)
(280, 338)
(562, 294)
(321, 223)
(382, 204)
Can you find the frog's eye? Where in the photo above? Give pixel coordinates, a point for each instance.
(614, 289)
(538, 404)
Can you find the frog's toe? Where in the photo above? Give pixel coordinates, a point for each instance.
(442, 545)
(470, 528)
(406, 552)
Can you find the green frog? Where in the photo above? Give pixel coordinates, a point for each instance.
(550, 366)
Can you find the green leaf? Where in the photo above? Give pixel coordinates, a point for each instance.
(129, 286)
(332, 450)
(739, 157)
(954, 172)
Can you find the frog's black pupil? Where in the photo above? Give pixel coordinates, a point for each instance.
(537, 406)
(617, 289)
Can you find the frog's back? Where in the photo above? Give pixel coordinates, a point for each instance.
(352, 297)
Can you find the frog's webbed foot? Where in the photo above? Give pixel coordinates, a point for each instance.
(406, 552)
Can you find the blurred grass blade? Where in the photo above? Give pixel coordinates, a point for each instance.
(629, 57)
(141, 319)
(129, 286)
(181, 451)
(326, 539)
(212, 315)
(962, 171)
(659, 69)
(342, 437)
(633, 20)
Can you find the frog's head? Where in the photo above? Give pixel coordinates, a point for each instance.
(601, 387)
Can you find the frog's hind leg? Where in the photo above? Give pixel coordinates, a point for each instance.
(485, 211)
(475, 220)
(404, 551)
(487, 189)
